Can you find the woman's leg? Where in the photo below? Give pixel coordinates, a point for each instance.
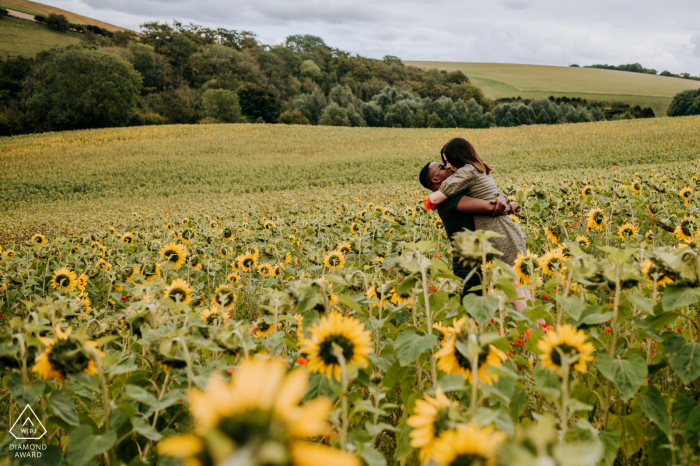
(523, 297)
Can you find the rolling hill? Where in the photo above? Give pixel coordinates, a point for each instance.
(500, 80)
(34, 8)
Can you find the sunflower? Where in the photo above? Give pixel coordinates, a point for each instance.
(233, 277)
(269, 225)
(185, 221)
(81, 281)
(213, 225)
(288, 258)
(586, 191)
(224, 296)
(655, 274)
(64, 280)
(444, 332)
(685, 194)
(262, 329)
(247, 261)
(150, 271)
(127, 238)
(334, 260)
(649, 236)
(346, 332)
(174, 255)
(85, 300)
(627, 231)
(430, 418)
(179, 291)
(687, 229)
(112, 231)
(355, 228)
(468, 444)
(65, 355)
(551, 236)
(595, 219)
(258, 411)
(188, 235)
(39, 239)
(135, 273)
(637, 187)
(583, 242)
(525, 267)
(265, 270)
(552, 262)
(227, 234)
(344, 248)
(452, 361)
(225, 251)
(401, 299)
(372, 294)
(565, 341)
(210, 315)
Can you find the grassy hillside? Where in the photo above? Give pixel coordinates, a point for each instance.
(534, 81)
(190, 165)
(34, 8)
(19, 37)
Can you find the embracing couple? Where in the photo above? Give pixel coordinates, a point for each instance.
(466, 197)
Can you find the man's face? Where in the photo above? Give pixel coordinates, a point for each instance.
(438, 174)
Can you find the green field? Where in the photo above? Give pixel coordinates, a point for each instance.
(534, 81)
(19, 37)
(188, 166)
(34, 8)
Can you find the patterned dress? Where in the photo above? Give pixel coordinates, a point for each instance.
(469, 181)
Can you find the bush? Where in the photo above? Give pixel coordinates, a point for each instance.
(4, 12)
(40, 18)
(293, 117)
(145, 117)
(259, 103)
(81, 88)
(58, 22)
(222, 104)
(334, 115)
(179, 105)
(685, 103)
(311, 105)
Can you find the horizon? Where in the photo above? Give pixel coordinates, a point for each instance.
(527, 32)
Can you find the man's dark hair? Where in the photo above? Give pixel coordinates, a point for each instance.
(424, 176)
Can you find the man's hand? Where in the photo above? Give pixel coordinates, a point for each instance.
(515, 208)
(500, 205)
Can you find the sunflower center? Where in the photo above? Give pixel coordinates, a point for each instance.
(334, 261)
(441, 422)
(62, 280)
(172, 256)
(464, 361)
(68, 357)
(598, 218)
(177, 294)
(326, 353)
(470, 459)
(558, 350)
(688, 228)
(252, 427)
(247, 262)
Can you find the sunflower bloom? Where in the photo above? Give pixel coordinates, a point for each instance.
(431, 416)
(467, 444)
(127, 239)
(552, 262)
(64, 280)
(334, 260)
(174, 255)
(627, 231)
(685, 194)
(65, 355)
(595, 220)
(246, 262)
(346, 332)
(565, 341)
(687, 229)
(179, 290)
(525, 266)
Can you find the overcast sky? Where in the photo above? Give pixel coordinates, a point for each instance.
(664, 35)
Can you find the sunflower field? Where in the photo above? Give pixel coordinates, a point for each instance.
(272, 296)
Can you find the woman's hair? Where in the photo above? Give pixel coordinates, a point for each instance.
(459, 152)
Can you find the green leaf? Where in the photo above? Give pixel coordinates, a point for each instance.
(370, 456)
(627, 374)
(481, 308)
(506, 285)
(685, 360)
(378, 428)
(573, 307)
(85, 447)
(123, 366)
(403, 447)
(62, 406)
(679, 296)
(611, 445)
(142, 427)
(23, 395)
(139, 394)
(682, 407)
(349, 302)
(439, 265)
(409, 346)
(653, 406)
(641, 302)
(647, 328)
(630, 430)
(691, 431)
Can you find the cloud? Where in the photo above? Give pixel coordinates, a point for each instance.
(549, 32)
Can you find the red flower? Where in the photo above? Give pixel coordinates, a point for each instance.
(520, 341)
(302, 361)
(428, 205)
(607, 329)
(124, 298)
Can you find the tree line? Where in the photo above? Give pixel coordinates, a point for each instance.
(176, 73)
(637, 68)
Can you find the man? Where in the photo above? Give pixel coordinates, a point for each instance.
(457, 213)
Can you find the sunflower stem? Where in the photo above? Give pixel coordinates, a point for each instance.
(428, 316)
(564, 412)
(613, 342)
(338, 353)
(108, 455)
(475, 382)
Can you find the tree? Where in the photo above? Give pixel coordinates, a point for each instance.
(3, 13)
(304, 44)
(179, 105)
(222, 104)
(334, 115)
(58, 22)
(293, 117)
(153, 67)
(259, 103)
(309, 69)
(311, 105)
(81, 88)
(685, 103)
(399, 115)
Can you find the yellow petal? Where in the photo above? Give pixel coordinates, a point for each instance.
(306, 454)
